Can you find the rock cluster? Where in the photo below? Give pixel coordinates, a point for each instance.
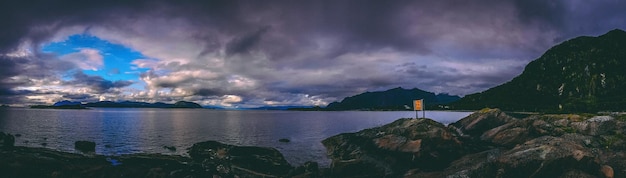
(488, 143)
(222, 159)
(207, 159)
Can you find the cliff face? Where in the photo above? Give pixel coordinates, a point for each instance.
(488, 143)
(584, 74)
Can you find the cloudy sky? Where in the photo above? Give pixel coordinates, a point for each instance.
(258, 53)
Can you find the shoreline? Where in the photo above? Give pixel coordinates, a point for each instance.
(206, 159)
(487, 143)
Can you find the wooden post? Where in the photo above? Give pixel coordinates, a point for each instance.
(423, 109)
(417, 114)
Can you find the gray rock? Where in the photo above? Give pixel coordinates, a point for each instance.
(546, 157)
(228, 160)
(85, 146)
(474, 165)
(392, 149)
(284, 140)
(595, 126)
(479, 122)
(6, 140)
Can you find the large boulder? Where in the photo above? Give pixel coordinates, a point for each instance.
(595, 126)
(6, 140)
(392, 149)
(474, 165)
(545, 156)
(507, 135)
(227, 160)
(479, 122)
(519, 131)
(85, 146)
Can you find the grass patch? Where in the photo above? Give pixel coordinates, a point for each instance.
(569, 130)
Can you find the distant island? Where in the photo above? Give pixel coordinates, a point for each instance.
(111, 104)
(396, 99)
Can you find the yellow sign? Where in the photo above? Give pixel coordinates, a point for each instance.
(417, 105)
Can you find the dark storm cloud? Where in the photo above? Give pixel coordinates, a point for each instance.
(78, 97)
(8, 68)
(548, 12)
(37, 20)
(573, 18)
(208, 92)
(292, 48)
(97, 83)
(20, 71)
(244, 43)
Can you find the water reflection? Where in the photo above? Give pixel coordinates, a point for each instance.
(123, 131)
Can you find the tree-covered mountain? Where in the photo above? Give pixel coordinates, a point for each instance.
(393, 99)
(584, 74)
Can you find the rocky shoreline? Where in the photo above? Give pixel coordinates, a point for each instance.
(206, 159)
(488, 143)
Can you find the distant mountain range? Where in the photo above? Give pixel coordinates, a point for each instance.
(280, 107)
(124, 104)
(393, 99)
(584, 74)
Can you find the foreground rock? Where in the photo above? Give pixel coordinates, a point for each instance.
(6, 140)
(208, 159)
(488, 143)
(221, 159)
(85, 146)
(393, 149)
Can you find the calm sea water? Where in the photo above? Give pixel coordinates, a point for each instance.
(123, 131)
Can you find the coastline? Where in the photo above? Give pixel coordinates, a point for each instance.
(487, 143)
(206, 159)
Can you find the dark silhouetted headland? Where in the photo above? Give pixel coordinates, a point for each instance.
(584, 74)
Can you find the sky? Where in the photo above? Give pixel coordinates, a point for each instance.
(243, 54)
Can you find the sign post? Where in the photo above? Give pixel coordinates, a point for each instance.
(418, 105)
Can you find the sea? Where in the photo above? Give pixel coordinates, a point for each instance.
(118, 131)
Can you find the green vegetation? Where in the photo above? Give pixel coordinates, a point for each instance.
(569, 129)
(609, 142)
(584, 74)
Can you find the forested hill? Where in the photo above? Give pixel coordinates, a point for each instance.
(393, 99)
(584, 74)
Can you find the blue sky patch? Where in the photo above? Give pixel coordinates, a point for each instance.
(117, 58)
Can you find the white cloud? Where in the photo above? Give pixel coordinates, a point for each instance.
(86, 59)
(229, 100)
(457, 48)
